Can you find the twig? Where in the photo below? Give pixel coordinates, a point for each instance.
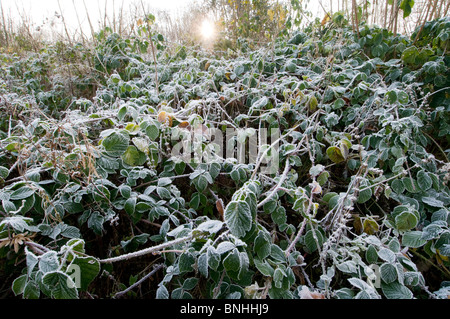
(146, 250)
(217, 289)
(277, 187)
(140, 281)
(296, 239)
(37, 247)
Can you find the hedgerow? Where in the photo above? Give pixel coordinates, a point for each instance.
(358, 206)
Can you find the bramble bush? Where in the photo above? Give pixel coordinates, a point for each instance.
(96, 205)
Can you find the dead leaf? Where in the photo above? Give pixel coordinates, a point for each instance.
(220, 208)
(305, 293)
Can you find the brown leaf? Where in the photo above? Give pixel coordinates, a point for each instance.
(220, 208)
(184, 124)
(305, 293)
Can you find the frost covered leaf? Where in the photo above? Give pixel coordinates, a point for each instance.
(141, 144)
(60, 285)
(84, 269)
(116, 144)
(210, 226)
(134, 157)
(22, 193)
(388, 273)
(406, 220)
(238, 217)
(395, 290)
(424, 180)
(413, 239)
(335, 154)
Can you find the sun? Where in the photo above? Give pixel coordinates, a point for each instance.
(207, 29)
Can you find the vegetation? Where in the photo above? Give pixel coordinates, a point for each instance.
(94, 204)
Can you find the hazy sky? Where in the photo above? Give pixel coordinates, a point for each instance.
(42, 12)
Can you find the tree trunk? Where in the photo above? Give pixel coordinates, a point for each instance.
(385, 14)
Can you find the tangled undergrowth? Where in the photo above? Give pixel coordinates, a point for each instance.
(96, 205)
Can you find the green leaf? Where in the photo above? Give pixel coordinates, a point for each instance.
(210, 226)
(213, 258)
(410, 184)
(122, 112)
(8, 206)
(49, 262)
(141, 144)
(201, 183)
(396, 290)
(413, 239)
(388, 273)
(264, 267)
(125, 191)
(387, 255)
(203, 264)
(163, 192)
(406, 6)
(424, 180)
(152, 131)
(190, 283)
(70, 232)
(262, 245)
(88, 268)
(21, 193)
(431, 231)
(433, 202)
(186, 262)
(116, 144)
(335, 154)
(162, 292)
(277, 254)
(19, 285)
(391, 97)
(31, 290)
(310, 242)
(338, 104)
(409, 55)
(348, 267)
(444, 250)
(406, 221)
(371, 255)
(95, 222)
(130, 205)
(403, 97)
(278, 277)
(224, 247)
(134, 157)
(76, 245)
(270, 206)
(238, 218)
(397, 186)
(60, 285)
(364, 195)
(279, 216)
(232, 261)
(4, 172)
(133, 243)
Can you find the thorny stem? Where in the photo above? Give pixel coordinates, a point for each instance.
(277, 187)
(146, 251)
(217, 289)
(296, 239)
(139, 282)
(37, 247)
(260, 158)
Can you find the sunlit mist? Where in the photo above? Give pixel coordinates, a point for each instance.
(207, 29)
